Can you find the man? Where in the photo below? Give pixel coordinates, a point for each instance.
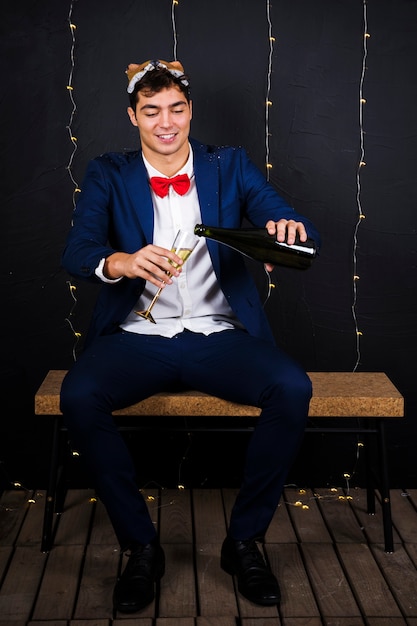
(210, 331)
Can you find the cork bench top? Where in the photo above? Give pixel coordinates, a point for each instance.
(335, 394)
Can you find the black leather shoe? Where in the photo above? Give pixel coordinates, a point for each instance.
(135, 588)
(255, 581)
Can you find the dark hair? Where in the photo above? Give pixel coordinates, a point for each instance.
(156, 80)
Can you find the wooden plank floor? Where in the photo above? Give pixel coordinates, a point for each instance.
(327, 552)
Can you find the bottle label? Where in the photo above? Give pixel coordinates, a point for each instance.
(296, 248)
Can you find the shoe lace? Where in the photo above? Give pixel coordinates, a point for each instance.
(140, 562)
(252, 555)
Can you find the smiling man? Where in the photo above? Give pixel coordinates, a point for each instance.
(210, 332)
(163, 120)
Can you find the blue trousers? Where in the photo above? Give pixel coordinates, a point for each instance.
(121, 369)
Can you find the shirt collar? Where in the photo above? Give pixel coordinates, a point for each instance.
(187, 169)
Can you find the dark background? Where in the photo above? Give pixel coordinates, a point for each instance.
(312, 75)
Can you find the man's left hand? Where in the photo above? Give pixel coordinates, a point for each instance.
(285, 230)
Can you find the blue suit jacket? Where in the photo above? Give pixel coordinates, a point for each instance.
(114, 212)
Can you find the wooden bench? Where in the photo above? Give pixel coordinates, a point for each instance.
(365, 398)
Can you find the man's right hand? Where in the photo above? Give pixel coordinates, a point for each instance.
(150, 263)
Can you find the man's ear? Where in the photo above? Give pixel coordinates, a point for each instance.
(132, 116)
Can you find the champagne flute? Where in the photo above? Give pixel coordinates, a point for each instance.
(184, 243)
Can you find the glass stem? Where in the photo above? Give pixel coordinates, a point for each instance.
(155, 298)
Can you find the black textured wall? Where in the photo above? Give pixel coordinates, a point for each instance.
(314, 135)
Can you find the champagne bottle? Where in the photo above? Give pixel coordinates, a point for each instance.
(258, 244)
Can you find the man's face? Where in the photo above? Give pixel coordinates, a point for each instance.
(163, 120)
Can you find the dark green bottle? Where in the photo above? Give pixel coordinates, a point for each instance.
(258, 244)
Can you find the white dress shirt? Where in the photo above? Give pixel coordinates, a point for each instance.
(194, 300)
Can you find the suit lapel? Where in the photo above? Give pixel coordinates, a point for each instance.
(206, 173)
(207, 183)
(135, 179)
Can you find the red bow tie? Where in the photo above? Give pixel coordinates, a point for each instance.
(160, 185)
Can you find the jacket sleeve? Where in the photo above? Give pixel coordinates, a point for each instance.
(87, 240)
(260, 200)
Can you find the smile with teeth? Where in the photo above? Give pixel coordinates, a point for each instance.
(167, 137)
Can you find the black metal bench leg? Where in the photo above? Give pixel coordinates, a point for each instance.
(370, 486)
(384, 489)
(49, 511)
(61, 475)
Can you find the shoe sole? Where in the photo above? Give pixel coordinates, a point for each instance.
(139, 607)
(229, 569)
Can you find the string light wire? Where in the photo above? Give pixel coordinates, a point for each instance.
(70, 89)
(77, 335)
(76, 189)
(361, 165)
(174, 28)
(268, 102)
